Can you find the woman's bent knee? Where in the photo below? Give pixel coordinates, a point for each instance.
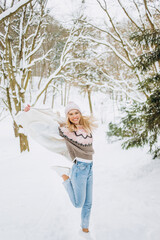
(78, 204)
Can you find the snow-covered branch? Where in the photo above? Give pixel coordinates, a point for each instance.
(139, 13)
(35, 49)
(47, 82)
(105, 43)
(65, 60)
(101, 30)
(122, 85)
(40, 59)
(128, 15)
(122, 41)
(74, 61)
(72, 39)
(13, 9)
(149, 15)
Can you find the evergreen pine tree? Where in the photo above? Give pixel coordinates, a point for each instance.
(141, 123)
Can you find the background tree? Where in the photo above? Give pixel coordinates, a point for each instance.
(141, 124)
(21, 39)
(115, 50)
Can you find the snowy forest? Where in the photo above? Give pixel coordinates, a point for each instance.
(112, 64)
(40, 59)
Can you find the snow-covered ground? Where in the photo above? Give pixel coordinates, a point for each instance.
(35, 206)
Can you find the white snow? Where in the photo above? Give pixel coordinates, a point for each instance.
(35, 206)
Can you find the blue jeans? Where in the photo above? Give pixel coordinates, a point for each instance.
(79, 188)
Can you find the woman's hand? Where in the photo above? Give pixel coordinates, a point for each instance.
(27, 108)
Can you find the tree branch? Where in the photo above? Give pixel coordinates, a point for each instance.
(9, 12)
(111, 47)
(127, 14)
(148, 14)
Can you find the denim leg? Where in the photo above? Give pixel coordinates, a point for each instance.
(86, 209)
(76, 185)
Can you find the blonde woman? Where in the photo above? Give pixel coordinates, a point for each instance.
(78, 181)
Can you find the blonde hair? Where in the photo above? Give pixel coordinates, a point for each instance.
(88, 123)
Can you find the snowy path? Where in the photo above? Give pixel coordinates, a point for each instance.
(34, 205)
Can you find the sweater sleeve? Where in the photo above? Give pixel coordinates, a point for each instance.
(42, 125)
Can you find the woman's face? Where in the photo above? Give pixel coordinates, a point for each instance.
(74, 116)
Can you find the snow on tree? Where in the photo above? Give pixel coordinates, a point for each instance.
(21, 39)
(66, 61)
(13, 9)
(22, 49)
(118, 53)
(141, 124)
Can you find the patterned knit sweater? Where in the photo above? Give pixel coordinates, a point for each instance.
(79, 143)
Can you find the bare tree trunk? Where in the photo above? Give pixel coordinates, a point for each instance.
(52, 101)
(16, 128)
(9, 100)
(89, 100)
(65, 94)
(45, 97)
(39, 84)
(23, 142)
(113, 100)
(53, 98)
(61, 93)
(42, 73)
(24, 145)
(69, 88)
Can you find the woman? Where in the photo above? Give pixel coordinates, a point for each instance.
(78, 181)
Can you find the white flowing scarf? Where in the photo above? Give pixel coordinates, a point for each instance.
(42, 125)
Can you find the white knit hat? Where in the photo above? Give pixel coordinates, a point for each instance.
(70, 106)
